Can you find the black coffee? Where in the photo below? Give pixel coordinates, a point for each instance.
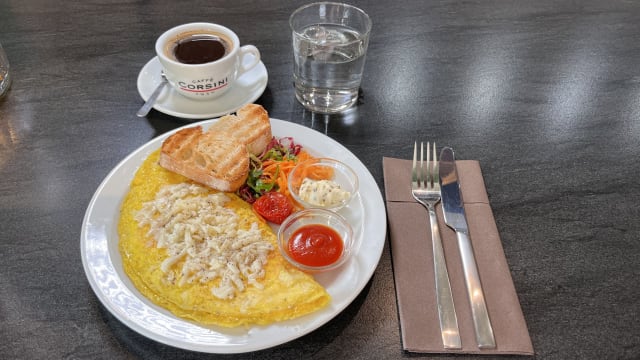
(200, 49)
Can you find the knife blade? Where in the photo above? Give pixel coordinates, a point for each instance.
(455, 218)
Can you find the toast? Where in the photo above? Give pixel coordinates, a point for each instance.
(218, 157)
(250, 125)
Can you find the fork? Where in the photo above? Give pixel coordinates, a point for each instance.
(425, 188)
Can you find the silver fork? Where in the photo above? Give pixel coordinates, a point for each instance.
(425, 188)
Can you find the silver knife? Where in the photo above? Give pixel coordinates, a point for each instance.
(454, 217)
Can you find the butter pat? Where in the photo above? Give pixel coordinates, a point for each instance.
(322, 192)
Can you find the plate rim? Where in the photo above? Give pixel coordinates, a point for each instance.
(375, 200)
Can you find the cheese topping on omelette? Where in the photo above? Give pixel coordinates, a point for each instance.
(206, 256)
(194, 226)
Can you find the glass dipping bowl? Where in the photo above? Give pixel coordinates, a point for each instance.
(324, 217)
(340, 173)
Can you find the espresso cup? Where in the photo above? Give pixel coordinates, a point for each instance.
(202, 60)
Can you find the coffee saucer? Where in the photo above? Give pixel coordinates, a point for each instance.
(245, 90)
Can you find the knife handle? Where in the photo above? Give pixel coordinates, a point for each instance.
(481, 321)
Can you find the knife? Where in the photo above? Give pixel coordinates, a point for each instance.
(455, 218)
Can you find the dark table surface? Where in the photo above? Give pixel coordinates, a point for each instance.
(545, 94)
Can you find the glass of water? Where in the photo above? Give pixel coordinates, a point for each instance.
(329, 48)
(5, 78)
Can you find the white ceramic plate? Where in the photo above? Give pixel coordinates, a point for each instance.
(103, 264)
(245, 90)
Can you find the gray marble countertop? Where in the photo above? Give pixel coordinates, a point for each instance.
(545, 94)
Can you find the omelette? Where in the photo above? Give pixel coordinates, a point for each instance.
(209, 281)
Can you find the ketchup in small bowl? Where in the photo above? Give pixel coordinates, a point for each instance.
(315, 240)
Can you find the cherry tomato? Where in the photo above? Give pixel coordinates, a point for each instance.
(273, 206)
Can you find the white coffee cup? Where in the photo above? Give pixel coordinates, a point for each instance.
(213, 76)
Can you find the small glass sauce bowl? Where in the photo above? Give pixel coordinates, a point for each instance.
(301, 220)
(323, 169)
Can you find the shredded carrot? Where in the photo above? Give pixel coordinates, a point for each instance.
(317, 173)
(279, 170)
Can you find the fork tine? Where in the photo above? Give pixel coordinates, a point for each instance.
(414, 175)
(436, 165)
(423, 178)
(429, 166)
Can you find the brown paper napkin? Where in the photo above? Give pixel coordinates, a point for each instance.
(410, 238)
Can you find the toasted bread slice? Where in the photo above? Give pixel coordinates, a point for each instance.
(219, 157)
(222, 164)
(250, 126)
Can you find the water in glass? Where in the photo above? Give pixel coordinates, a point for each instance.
(328, 64)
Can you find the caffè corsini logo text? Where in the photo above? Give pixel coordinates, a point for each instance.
(203, 85)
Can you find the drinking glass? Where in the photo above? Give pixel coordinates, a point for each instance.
(5, 76)
(329, 48)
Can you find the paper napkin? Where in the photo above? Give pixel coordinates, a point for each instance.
(412, 256)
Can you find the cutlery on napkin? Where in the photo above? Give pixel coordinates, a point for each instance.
(413, 271)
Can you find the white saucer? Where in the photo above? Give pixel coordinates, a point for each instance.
(245, 90)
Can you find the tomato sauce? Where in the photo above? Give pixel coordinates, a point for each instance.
(315, 245)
